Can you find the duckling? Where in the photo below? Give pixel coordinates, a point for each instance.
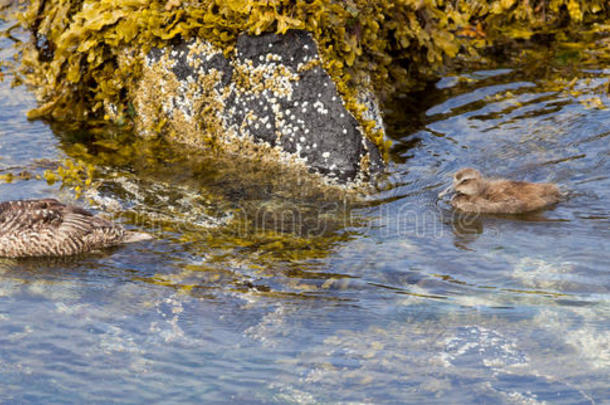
(477, 194)
(46, 227)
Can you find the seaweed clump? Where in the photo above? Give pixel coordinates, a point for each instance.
(86, 54)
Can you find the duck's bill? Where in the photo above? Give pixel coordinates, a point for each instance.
(445, 191)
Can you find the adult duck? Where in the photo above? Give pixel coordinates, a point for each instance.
(46, 227)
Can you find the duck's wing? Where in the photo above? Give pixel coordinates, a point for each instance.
(77, 222)
(82, 232)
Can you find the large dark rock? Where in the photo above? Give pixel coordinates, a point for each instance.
(273, 90)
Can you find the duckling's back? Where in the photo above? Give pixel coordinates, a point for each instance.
(521, 196)
(50, 228)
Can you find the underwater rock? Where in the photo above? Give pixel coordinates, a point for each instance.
(271, 91)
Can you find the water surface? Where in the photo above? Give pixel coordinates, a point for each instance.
(394, 300)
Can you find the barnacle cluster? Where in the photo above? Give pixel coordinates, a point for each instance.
(87, 54)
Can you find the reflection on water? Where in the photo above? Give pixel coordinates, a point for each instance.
(262, 287)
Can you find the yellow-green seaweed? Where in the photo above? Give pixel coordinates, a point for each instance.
(88, 53)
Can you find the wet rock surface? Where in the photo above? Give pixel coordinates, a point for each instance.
(272, 90)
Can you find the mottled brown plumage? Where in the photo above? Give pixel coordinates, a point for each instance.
(474, 193)
(47, 227)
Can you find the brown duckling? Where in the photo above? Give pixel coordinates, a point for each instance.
(47, 227)
(477, 194)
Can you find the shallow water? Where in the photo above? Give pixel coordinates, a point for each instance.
(393, 300)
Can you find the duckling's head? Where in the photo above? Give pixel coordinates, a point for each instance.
(468, 181)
